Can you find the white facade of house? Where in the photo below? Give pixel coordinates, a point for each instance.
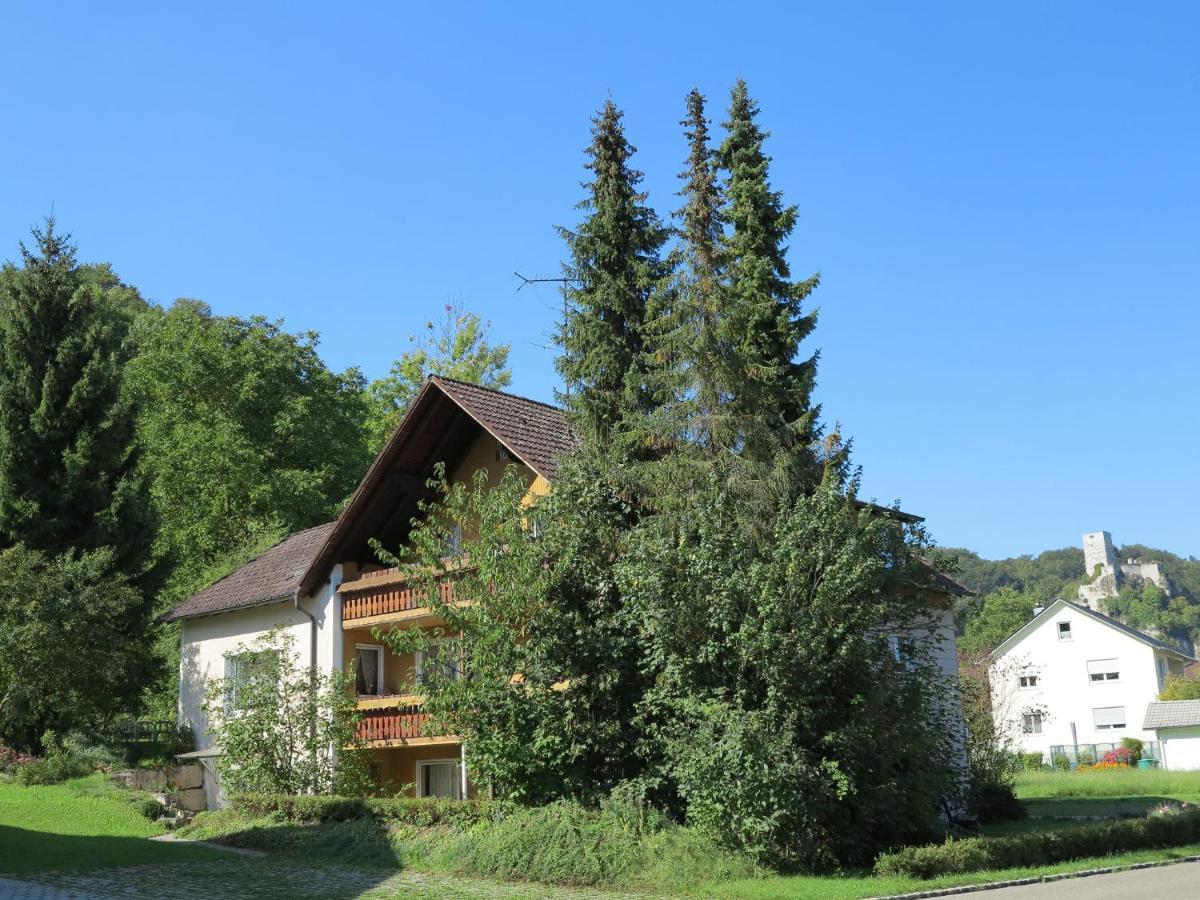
(1073, 676)
(1180, 748)
(207, 643)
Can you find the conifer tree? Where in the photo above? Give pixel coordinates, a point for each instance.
(616, 278)
(764, 322)
(701, 280)
(68, 468)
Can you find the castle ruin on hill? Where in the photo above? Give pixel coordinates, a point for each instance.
(1108, 575)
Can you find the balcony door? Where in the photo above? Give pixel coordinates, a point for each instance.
(440, 778)
(368, 670)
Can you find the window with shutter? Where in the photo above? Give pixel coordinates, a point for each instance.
(1109, 718)
(1104, 670)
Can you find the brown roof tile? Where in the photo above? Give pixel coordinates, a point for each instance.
(536, 432)
(271, 576)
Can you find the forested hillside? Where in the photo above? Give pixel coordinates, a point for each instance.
(1007, 590)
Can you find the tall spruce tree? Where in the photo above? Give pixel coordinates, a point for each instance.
(69, 478)
(616, 282)
(764, 321)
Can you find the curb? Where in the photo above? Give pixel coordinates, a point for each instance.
(1036, 879)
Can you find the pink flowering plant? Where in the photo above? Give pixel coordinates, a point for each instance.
(1122, 755)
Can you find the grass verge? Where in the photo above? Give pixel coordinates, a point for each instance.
(1112, 783)
(84, 824)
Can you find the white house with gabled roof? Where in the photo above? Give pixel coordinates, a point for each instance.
(1077, 679)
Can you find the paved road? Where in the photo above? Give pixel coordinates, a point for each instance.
(245, 879)
(1179, 881)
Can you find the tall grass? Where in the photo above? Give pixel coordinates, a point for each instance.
(1108, 783)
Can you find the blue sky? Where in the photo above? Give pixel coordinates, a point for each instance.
(1001, 199)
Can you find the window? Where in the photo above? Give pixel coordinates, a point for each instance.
(368, 670)
(442, 659)
(1109, 718)
(245, 670)
(903, 651)
(440, 778)
(1031, 723)
(452, 541)
(1028, 681)
(1104, 670)
(1064, 631)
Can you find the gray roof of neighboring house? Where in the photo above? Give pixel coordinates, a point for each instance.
(272, 576)
(1050, 610)
(1172, 714)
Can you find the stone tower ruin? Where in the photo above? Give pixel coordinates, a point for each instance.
(1107, 574)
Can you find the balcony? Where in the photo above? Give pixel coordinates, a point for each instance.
(396, 722)
(389, 596)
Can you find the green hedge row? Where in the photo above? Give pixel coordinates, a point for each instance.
(423, 812)
(1041, 848)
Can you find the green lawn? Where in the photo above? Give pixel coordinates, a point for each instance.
(1112, 783)
(853, 888)
(83, 824)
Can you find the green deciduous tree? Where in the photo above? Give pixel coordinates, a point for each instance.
(458, 346)
(244, 430)
(283, 728)
(69, 476)
(992, 619)
(72, 651)
(615, 291)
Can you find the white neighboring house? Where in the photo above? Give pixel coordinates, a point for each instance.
(1072, 677)
(1177, 724)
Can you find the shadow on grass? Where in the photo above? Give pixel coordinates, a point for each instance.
(23, 852)
(338, 861)
(1107, 807)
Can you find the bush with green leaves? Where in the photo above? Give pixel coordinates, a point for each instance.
(1041, 848)
(421, 812)
(1033, 761)
(284, 728)
(62, 761)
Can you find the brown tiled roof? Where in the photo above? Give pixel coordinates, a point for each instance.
(271, 576)
(536, 432)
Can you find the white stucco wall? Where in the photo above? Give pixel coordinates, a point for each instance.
(205, 642)
(1065, 690)
(1180, 748)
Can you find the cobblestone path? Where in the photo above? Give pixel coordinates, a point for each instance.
(243, 879)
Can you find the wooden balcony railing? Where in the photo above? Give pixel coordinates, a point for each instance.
(392, 724)
(387, 594)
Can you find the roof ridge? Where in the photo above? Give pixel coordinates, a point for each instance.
(484, 387)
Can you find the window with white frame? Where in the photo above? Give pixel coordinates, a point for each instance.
(452, 541)
(1104, 670)
(368, 670)
(1109, 718)
(1027, 681)
(1064, 631)
(245, 670)
(1031, 723)
(441, 659)
(440, 778)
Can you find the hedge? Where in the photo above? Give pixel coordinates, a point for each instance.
(1041, 848)
(423, 811)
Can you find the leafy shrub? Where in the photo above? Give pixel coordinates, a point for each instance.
(63, 761)
(1061, 763)
(1041, 848)
(1119, 755)
(1086, 758)
(419, 812)
(994, 803)
(1135, 746)
(10, 759)
(1034, 761)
